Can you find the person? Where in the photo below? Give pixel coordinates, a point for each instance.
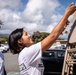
(2, 67)
(30, 53)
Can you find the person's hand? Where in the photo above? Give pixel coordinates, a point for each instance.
(70, 9)
(67, 23)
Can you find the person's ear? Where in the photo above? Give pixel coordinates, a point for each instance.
(20, 41)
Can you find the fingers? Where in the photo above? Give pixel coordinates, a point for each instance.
(72, 3)
(70, 9)
(67, 23)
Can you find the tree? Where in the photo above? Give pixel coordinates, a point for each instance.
(1, 23)
(38, 36)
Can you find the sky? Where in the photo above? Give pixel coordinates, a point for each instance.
(33, 15)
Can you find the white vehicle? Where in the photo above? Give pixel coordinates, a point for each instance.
(60, 46)
(4, 47)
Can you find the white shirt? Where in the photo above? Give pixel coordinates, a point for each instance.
(30, 60)
(1, 64)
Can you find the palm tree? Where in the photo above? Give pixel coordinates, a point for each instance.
(1, 23)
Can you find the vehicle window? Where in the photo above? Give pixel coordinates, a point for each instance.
(60, 54)
(48, 54)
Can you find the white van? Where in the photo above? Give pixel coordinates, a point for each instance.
(4, 47)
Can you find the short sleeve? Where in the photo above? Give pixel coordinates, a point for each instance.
(35, 52)
(32, 53)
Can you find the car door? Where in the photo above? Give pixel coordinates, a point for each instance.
(53, 61)
(60, 58)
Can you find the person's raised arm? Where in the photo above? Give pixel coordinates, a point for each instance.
(49, 40)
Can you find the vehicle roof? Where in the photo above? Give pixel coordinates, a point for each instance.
(55, 49)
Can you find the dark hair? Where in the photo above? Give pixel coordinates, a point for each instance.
(13, 41)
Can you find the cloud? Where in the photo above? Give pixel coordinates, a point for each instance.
(8, 15)
(38, 15)
(10, 20)
(41, 13)
(9, 3)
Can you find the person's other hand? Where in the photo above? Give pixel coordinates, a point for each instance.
(70, 9)
(67, 23)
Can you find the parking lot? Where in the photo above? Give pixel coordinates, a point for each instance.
(11, 63)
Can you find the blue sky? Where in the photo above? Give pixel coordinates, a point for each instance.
(34, 15)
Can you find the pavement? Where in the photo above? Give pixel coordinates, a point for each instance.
(11, 63)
